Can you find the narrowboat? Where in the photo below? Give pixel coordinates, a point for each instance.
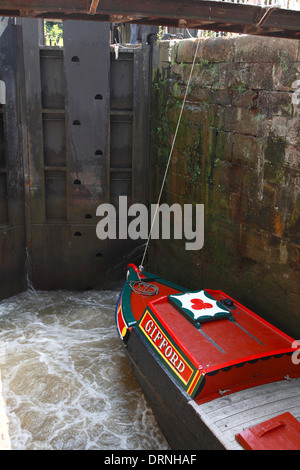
(216, 375)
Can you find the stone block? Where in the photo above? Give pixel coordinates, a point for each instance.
(292, 228)
(210, 49)
(209, 75)
(241, 121)
(275, 103)
(221, 96)
(217, 49)
(268, 194)
(235, 75)
(262, 49)
(254, 244)
(164, 53)
(287, 128)
(275, 149)
(245, 150)
(285, 73)
(183, 51)
(231, 119)
(224, 146)
(261, 76)
(243, 98)
(292, 156)
(250, 184)
(274, 173)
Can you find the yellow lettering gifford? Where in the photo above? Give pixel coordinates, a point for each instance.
(163, 345)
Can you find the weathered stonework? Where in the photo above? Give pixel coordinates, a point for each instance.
(238, 153)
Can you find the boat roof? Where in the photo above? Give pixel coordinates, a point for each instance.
(225, 341)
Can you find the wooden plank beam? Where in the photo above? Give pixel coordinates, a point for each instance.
(233, 17)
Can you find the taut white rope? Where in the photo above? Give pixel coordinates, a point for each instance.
(170, 155)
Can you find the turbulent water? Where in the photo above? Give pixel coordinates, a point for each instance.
(66, 381)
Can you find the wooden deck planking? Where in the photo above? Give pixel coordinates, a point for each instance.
(229, 415)
(261, 392)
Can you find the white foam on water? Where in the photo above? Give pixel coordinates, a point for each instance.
(66, 381)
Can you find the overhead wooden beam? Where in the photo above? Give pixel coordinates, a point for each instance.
(179, 13)
(125, 19)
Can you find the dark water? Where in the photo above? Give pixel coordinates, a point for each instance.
(66, 381)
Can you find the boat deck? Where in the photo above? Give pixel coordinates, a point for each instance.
(229, 415)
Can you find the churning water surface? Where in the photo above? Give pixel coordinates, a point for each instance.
(66, 381)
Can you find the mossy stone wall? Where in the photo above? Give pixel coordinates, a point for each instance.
(238, 153)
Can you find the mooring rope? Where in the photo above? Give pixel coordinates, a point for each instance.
(170, 156)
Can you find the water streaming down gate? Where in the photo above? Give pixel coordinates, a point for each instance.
(73, 135)
(66, 381)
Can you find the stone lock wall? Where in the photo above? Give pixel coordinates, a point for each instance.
(238, 153)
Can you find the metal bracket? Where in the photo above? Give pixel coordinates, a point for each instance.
(93, 7)
(265, 14)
